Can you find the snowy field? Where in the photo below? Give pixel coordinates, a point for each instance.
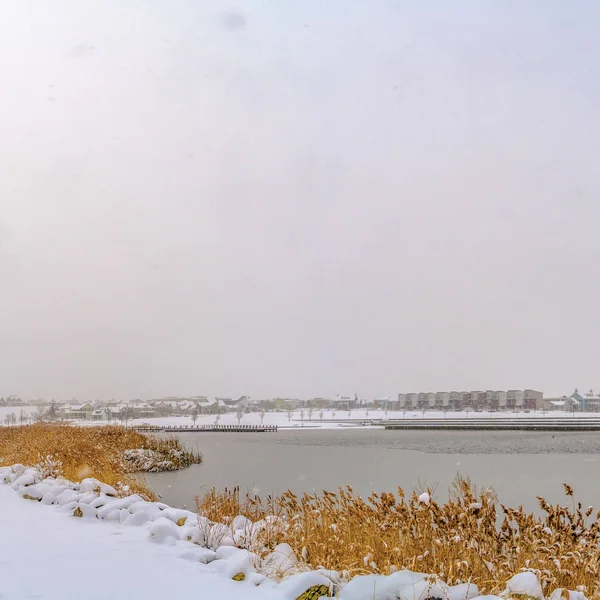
(334, 419)
(129, 548)
(326, 419)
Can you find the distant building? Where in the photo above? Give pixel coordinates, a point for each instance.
(347, 402)
(585, 402)
(79, 411)
(477, 400)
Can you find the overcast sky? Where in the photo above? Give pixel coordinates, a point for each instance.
(298, 197)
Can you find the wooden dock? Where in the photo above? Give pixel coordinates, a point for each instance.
(205, 428)
(498, 424)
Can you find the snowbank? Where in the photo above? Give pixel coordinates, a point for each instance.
(83, 539)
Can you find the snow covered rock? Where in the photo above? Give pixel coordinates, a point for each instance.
(197, 554)
(121, 503)
(463, 591)
(280, 562)
(29, 477)
(561, 594)
(293, 587)
(137, 518)
(150, 508)
(89, 485)
(85, 511)
(113, 516)
(108, 490)
(404, 585)
(67, 496)
(193, 534)
(240, 562)
(35, 492)
(179, 516)
(164, 531)
(524, 584)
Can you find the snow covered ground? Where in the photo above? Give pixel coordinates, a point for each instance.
(331, 419)
(334, 419)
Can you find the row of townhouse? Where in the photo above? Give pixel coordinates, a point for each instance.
(474, 400)
(144, 409)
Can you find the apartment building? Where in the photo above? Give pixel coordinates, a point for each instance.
(473, 400)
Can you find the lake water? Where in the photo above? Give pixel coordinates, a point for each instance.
(518, 465)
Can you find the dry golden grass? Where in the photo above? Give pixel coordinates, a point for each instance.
(461, 540)
(79, 452)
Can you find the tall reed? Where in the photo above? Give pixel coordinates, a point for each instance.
(463, 539)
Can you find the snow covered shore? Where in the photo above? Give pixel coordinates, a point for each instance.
(331, 419)
(334, 419)
(130, 548)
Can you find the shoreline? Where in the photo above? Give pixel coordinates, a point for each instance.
(326, 419)
(201, 554)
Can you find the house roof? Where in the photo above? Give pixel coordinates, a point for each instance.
(80, 406)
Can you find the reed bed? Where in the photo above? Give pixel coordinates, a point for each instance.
(464, 539)
(111, 454)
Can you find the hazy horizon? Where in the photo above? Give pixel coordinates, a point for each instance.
(298, 198)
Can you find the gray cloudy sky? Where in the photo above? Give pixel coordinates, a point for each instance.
(300, 197)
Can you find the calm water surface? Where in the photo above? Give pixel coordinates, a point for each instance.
(518, 465)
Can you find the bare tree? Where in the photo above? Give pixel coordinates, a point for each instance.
(262, 416)
(217, 418)
(302, 415)
(321, 416)
(22, 417)
(195, 414)
(127, 414)
(239, 413)
(13, 418)
(310, 413)
(52, 411)
(290, 412)
(39, 414)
